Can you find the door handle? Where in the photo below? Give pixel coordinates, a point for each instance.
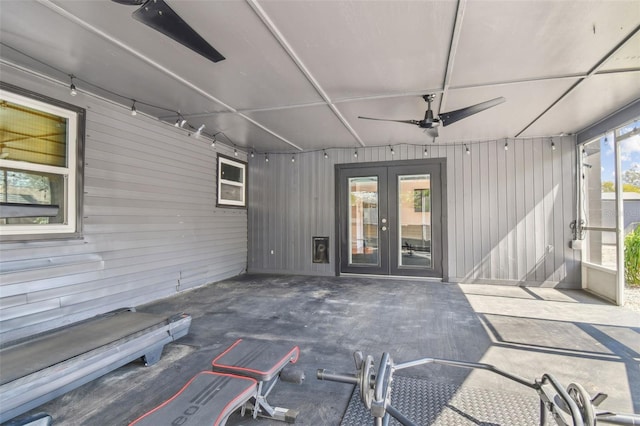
(384, 228)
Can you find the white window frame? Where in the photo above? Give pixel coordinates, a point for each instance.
(72, 173)
(609, 282)
(222, 202)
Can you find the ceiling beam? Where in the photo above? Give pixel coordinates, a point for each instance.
(407, 94)
(617, 119)
(301, 66)
(593, 71)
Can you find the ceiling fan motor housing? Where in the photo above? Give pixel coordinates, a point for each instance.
(428, 121)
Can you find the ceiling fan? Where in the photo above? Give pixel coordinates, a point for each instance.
(158, 15)
(430, 123)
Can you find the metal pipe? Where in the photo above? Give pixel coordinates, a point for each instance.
(400, 417)
(383, 378)
(332, 376)
(619, 291)
(465, 364)
(618, 419)
(562, 393)
(543, 413)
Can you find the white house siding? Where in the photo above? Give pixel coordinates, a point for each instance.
(508, 212)
(150, 229)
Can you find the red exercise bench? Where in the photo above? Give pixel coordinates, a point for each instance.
(242, 377)
(262, 361)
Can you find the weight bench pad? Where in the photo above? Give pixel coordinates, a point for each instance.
(207, 399)
(259, 360)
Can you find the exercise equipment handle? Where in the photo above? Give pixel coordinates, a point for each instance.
(332, 376)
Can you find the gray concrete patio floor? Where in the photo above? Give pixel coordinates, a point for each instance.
(525, 331)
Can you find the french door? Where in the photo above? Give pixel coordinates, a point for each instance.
(389, 219)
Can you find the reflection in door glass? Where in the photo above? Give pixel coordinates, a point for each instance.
(363, 220)
(414, 220)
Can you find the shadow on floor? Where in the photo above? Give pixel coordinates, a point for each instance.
(328, 318)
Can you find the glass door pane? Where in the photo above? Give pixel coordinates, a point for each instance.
(414, 220)
(363, 220)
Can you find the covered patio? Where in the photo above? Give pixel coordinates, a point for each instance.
(425, 178)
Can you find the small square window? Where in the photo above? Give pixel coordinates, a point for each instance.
(232, 182)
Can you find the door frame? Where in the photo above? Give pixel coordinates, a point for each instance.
(340, 207)
(343, 232)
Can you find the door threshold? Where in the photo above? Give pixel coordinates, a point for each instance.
(391, 277)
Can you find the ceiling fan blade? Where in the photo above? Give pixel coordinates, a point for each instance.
(158, 15)
(131, 2)
(457, 115)
(415, 122)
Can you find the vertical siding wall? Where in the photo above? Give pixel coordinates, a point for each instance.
(151, 227)
(508, 211)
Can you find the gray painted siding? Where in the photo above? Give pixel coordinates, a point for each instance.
(150, 229)
(508, 211)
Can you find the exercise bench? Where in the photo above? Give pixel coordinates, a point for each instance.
(39, 368)
(241, 378)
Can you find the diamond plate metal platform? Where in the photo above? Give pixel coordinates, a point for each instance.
(429, 403)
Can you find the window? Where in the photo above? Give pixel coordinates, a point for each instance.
(40, 166)
(232, 178)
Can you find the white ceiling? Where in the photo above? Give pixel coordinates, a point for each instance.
(298, 73)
